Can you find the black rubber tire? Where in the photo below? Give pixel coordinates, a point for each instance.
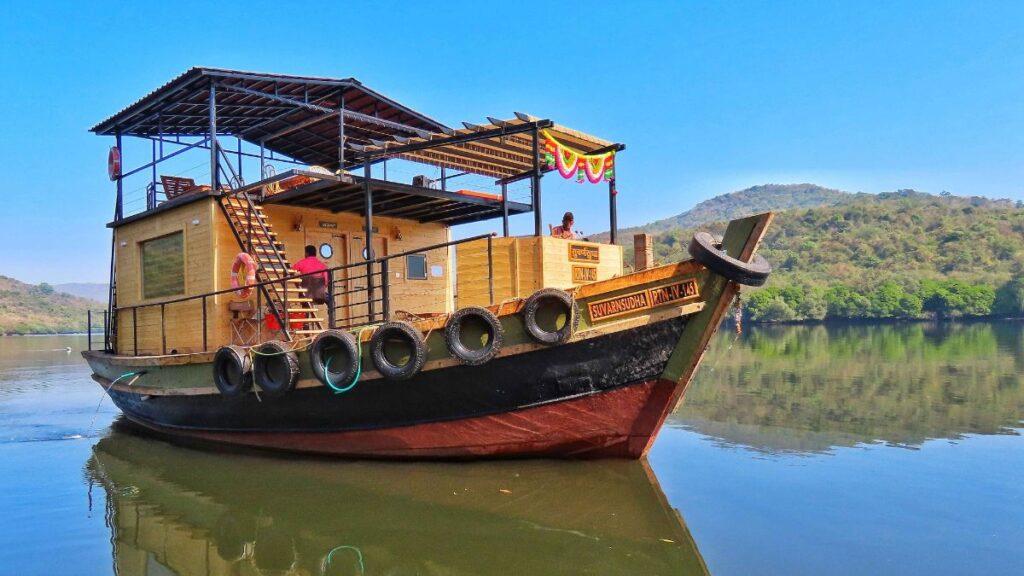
(707, 251)
(340, 349)
(398, 331)
(275, 368)
(453, 336)
(232, 371)
(540, 298)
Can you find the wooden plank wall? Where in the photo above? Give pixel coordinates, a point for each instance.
(524, 265)
(184, 332)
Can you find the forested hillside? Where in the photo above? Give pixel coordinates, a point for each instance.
(39, 309)
(902, 254)
(746, 202)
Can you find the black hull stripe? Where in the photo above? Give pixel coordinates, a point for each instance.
(501, 385)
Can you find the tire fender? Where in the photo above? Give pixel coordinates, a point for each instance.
(547, 296)
(232, 371)
(708, 252)
(411, 337)
(275, 368)
(458, 348)
(334, 357)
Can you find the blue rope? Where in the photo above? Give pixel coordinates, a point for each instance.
(330, 557)
(359, 369)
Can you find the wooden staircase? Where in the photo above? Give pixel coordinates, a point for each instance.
(254, 233)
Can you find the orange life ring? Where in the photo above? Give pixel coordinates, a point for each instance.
(243, 260)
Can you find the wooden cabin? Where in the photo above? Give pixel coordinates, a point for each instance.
(173, 261)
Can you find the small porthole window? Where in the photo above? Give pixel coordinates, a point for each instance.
(416, 266)
(326, 251)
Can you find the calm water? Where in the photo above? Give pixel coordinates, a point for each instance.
(800, 450)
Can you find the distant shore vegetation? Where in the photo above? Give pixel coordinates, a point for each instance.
(895, 255)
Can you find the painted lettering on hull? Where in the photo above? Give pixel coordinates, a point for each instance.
(650, 298)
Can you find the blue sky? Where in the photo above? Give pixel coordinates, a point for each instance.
(709, 98)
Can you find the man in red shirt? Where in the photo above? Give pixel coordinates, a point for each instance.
(315, 284)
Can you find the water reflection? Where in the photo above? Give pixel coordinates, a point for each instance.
(811, 388)
(174, 510)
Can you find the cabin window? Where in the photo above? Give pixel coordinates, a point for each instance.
(163, 266)
(326, 251)
(416, 266)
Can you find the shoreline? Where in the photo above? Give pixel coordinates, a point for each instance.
(840, 321)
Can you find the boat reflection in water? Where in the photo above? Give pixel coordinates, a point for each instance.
(172, 510)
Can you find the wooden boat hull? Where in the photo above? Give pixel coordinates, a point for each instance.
(604, 393)
(618, 423)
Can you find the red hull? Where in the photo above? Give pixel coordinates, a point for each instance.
(619, 423)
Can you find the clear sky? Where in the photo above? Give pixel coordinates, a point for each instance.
(709, 98)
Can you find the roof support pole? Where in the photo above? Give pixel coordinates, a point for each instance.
(538, 220)
(151, 193)
(612, 210)
(240, 180)
(213, 137)
(263, 161)
(341, 129)
(119, 204)
(368, 254)
(504, 209)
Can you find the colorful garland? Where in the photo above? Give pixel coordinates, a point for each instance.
(568, 162)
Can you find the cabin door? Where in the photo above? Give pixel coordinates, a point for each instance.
(358, 311)
(332, 250)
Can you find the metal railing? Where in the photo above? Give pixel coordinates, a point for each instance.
(347, 305)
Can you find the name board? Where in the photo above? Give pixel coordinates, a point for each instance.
(581, 274)
(324, 224)
(584, 253)
(650, 298)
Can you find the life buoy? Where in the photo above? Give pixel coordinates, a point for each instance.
(275, 368)
(474, 335)
(398, 350)
(243, 260)
(114, 163)
(232, 371)
(551, 316)
(334, 357)
(707, 250)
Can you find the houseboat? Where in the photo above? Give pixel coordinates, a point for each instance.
(320, 306)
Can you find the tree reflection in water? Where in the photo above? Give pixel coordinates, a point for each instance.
(811, 388)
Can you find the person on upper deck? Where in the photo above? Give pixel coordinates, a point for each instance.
(565, 230)
(315, 284)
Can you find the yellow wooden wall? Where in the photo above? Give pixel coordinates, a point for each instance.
(184, 332)
(210, 250)
(523, 265)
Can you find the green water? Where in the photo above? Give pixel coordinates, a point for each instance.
(890, 449)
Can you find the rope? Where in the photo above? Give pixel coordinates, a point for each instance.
(136, 375)
(330, 557)
(359, 367)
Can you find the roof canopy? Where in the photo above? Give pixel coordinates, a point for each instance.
(298, 116)
(292, 115)
(502, 148)
(346, 194)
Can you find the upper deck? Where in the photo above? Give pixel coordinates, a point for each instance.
(335, 167)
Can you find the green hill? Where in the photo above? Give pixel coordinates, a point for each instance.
(901, 254)
(39, 309)
(746, 202)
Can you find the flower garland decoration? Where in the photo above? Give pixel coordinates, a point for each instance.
(569, 162)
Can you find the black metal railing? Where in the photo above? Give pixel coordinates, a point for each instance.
(347, 305)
